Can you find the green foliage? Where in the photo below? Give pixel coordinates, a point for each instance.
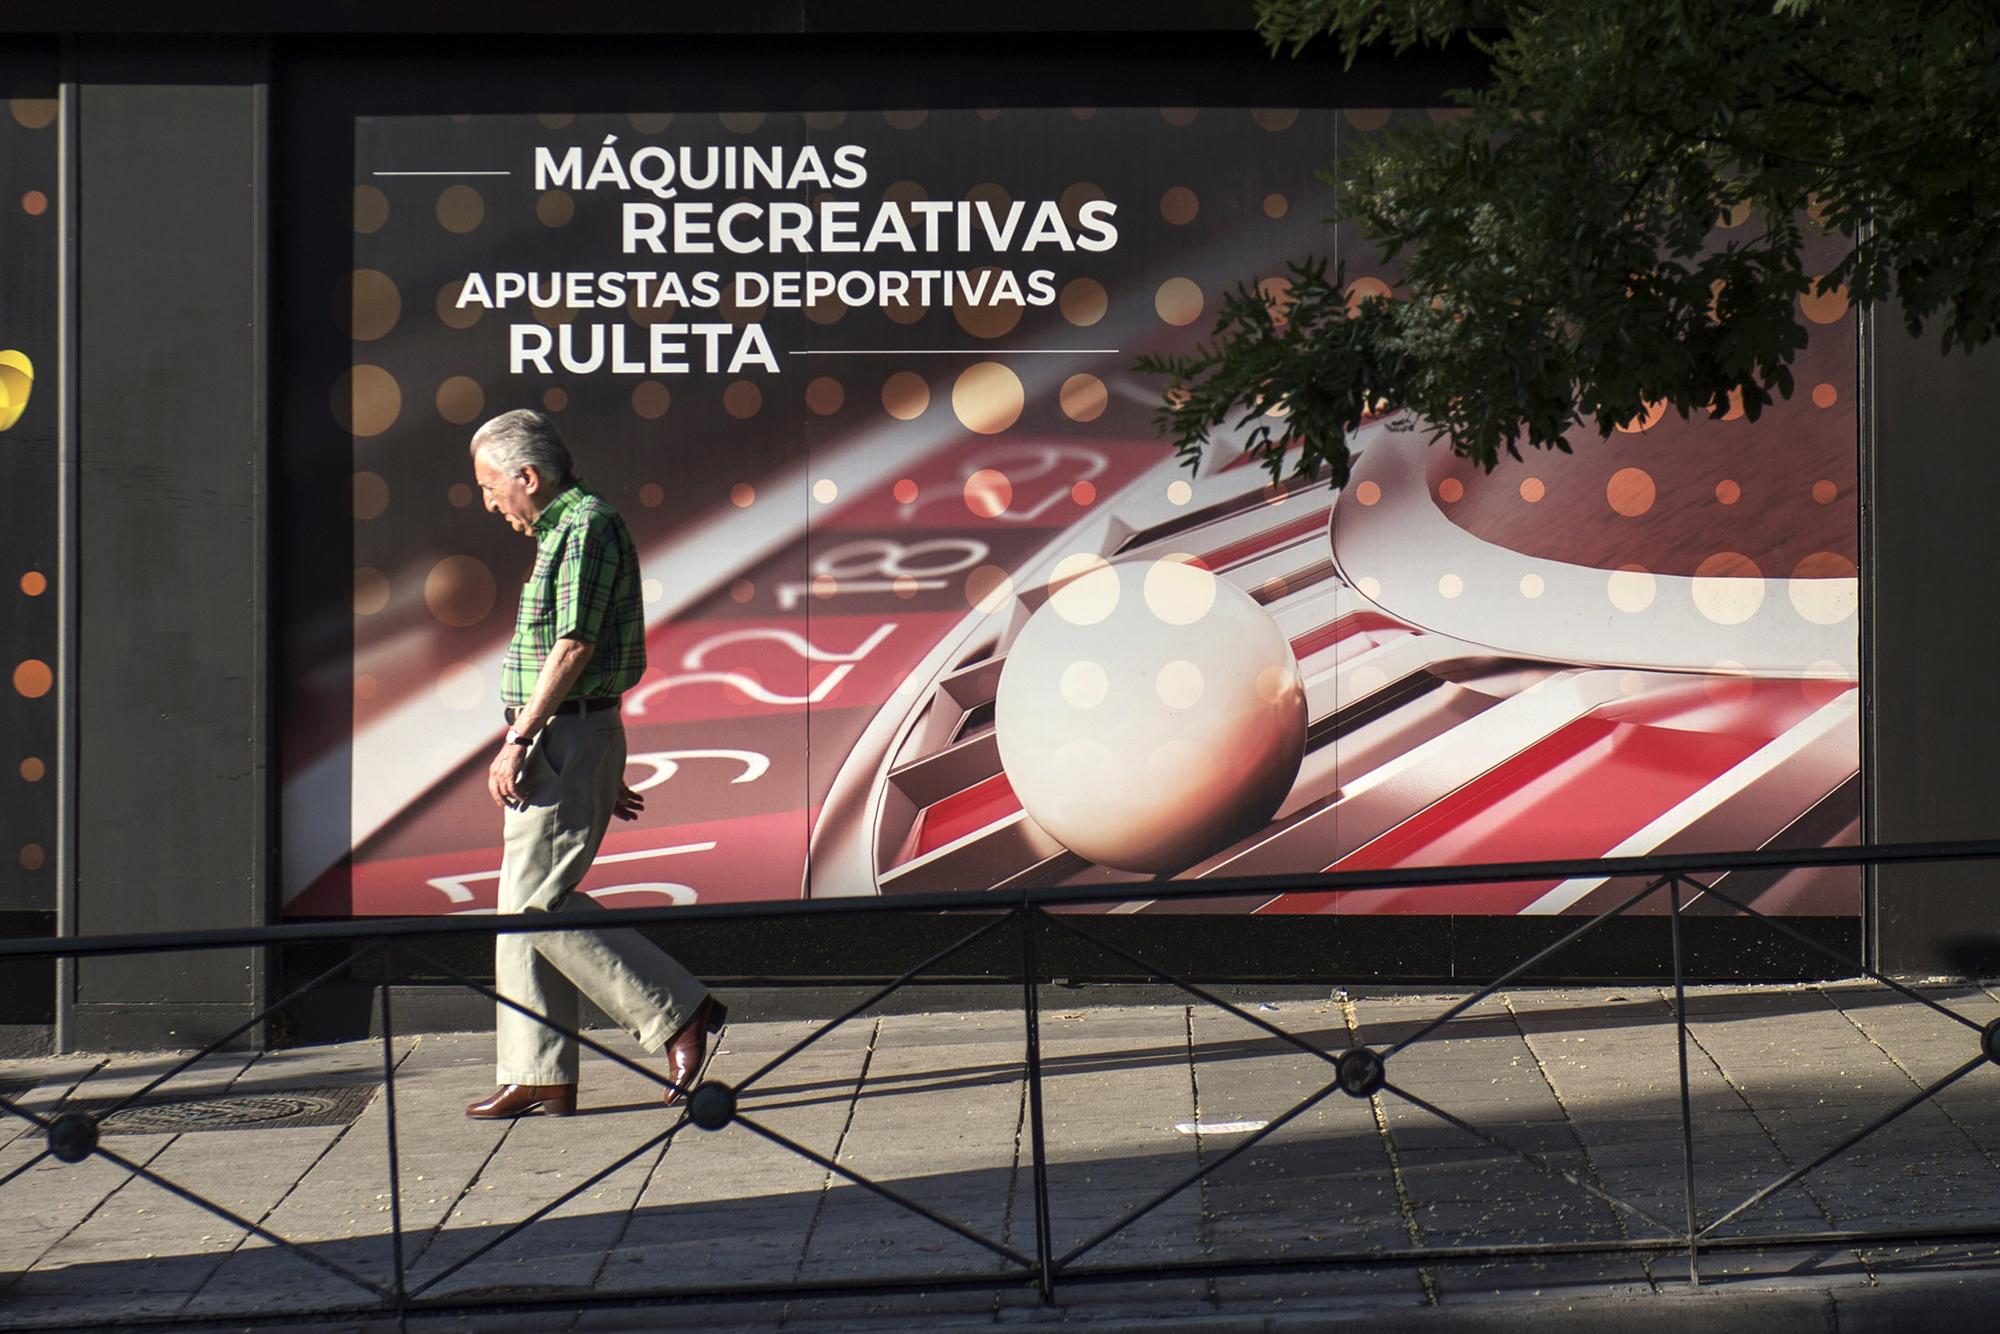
(1559, 258)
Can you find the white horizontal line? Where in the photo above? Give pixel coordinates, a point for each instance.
(1219, 1127)
(960, 352)
(440, 173)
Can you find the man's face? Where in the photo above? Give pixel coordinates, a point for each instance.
(514, 496)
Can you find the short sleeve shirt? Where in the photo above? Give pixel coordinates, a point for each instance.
(585, 586)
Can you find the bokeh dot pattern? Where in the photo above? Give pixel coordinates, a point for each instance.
(824, 395)
(33, 678)
(1178, 301)
(987, 397)
(905, 395)
(1083, 397)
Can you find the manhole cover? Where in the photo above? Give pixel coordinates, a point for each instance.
(240, 1111)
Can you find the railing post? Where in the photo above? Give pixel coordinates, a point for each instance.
(1031, 1013)
(1687, 1100)
(400, 1290)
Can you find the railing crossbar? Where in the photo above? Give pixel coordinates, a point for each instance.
(1530, 1250)
(406, 929)
(24, 1167)
(1242, 1146)
(1838, 957)
(12, 1108)
(876, 997)
(548, 1208)
(468, 1304)
(1192, 989)
(998, 1248)
(1452, 1012)
(471, 1303)
(218, 1044)
(1916, 1099)
(228, 1215)
(1534, 1160)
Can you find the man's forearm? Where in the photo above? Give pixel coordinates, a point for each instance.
(560, 671)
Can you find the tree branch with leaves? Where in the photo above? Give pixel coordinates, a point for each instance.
(1557, 244)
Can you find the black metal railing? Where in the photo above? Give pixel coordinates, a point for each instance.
(1359, 1072)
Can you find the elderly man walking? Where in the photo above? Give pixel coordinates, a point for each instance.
(579, 643)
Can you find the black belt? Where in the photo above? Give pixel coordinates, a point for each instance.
(577, 706)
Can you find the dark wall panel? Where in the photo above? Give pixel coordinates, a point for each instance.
(31, 590)
(1936, 643)
(172, 791)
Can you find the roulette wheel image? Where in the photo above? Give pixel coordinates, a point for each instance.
(1464, 702)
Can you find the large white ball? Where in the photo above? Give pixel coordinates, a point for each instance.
(1149, 713)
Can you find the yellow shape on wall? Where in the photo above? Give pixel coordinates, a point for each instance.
(17, 378)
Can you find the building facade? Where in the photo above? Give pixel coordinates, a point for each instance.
(839, 306)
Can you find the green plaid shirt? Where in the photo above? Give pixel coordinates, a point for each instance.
(585, 586)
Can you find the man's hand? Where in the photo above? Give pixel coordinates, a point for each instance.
(503, 776)
(628, 805)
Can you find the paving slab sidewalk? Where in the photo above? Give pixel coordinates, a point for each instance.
(1563, 1127)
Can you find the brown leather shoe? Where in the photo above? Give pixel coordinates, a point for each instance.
(687, 1050)
(511, 1100)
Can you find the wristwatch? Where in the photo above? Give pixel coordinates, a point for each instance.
(514, 738)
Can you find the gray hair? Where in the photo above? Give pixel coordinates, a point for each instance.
(525, 438)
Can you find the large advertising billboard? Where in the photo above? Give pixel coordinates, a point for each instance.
(931, 606)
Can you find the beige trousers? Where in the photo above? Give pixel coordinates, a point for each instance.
(571, 781)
